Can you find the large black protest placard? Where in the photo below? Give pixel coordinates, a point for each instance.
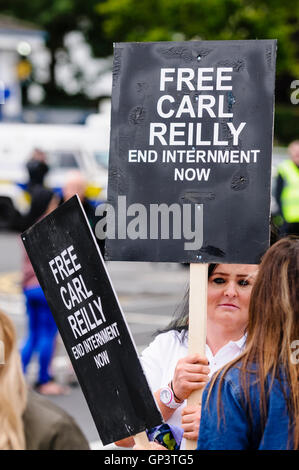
(190, 151)
(72, 274)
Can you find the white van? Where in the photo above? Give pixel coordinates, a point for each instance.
(67, 147)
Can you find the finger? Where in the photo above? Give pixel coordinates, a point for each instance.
(193, 418)
(188, 419)
(197, 369)
(190, 410)
(189, 377)
(187, 373)
(196, 386)
(197, 358)
(188, 427)
(187, 384)
(191, 436)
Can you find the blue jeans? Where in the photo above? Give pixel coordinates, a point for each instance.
(42, 332)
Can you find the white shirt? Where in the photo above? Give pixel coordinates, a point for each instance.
(160, 358)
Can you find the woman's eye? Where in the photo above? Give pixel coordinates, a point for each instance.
(243, 282)
(218, 280)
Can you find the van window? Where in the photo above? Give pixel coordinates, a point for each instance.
(62, 159)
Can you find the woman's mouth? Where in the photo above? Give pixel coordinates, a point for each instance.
(231, 306)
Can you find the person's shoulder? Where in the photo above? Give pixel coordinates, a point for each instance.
(284, 165)
(48, 426)
(165, 344)
(172, 337)
(230, 379)
(40, 405)
(236, 378)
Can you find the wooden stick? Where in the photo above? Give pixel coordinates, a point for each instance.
(141, 439)
(197, 324)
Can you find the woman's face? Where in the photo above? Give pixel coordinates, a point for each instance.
(229, 290)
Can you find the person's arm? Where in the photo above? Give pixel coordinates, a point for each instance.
(230, 429)
(153, 368)
(67, 436)
(166, 412)
(191, 373)
(127, 442)
(152, 446)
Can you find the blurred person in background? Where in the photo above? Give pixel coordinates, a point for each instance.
(37, 168)
(287, 191)
(76, 183)
(29, 421)
(42, 329)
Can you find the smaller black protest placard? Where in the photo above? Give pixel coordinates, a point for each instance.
(73, 276)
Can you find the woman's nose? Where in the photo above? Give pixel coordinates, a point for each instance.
(231, 290)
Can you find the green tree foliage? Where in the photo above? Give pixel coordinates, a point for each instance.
(160, 20)
(169, 20)
(56, 18)
(106, 21)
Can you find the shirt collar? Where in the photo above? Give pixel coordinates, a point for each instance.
(241, 342)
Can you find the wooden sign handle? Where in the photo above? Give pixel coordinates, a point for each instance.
(141, 439)
(197, 324)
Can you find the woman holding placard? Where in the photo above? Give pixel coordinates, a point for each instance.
(173, 374)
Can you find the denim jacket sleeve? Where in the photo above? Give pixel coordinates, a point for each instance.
(231, 429)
